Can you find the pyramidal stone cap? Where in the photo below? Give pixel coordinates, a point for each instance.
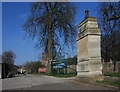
(88, 26)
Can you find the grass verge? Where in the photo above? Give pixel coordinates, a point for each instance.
(65, 75)
(112, 74)
(113, 82)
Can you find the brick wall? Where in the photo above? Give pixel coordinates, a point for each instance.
(41, 70)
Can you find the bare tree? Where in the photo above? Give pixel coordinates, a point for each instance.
(111, 10)
(108, 19)
(50, 23)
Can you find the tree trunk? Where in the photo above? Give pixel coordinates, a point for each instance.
(114, 66)
(50, 46)
(49, 58)
(50, 52)
(118, 67)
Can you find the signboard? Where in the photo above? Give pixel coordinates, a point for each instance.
(60, 65)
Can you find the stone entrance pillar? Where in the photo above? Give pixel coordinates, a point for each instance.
(89, 66)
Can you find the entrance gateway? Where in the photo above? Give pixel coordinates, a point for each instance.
(89, 66)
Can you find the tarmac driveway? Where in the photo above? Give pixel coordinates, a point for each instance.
(44, 82)
(25, 81)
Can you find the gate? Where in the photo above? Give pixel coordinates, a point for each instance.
(60, 67)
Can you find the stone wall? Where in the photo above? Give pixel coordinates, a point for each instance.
(109, 67)
(106, 67)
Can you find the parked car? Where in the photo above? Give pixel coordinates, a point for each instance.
(10, 75)
(21, 71)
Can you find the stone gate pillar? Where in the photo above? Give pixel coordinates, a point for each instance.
(89, 66)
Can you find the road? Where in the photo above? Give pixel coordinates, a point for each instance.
(44, 82)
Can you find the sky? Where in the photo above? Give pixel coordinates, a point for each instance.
(14, 16)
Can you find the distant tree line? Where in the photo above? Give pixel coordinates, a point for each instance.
(32, 66)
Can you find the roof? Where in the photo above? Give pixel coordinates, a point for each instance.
(87, 19)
